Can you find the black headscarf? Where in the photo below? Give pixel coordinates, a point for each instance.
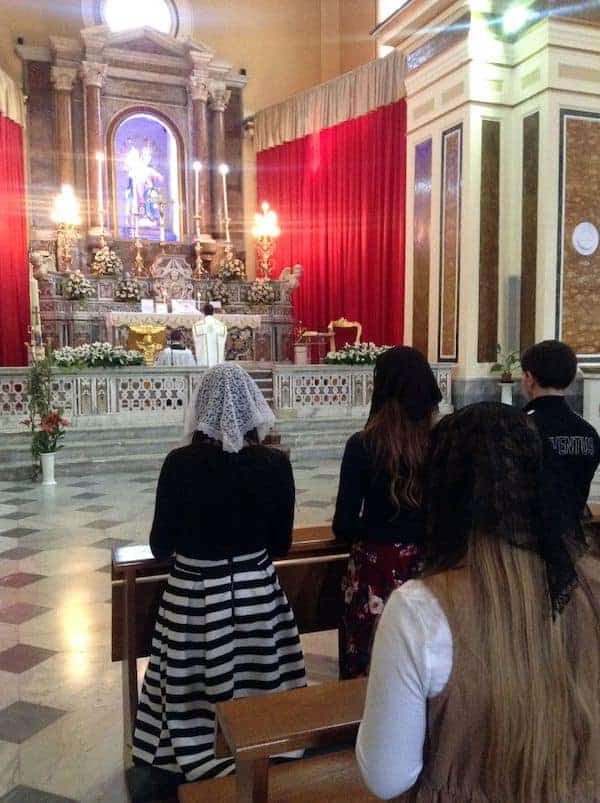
(486, 474)
(403, 373)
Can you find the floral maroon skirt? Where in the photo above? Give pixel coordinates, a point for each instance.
(374, 571)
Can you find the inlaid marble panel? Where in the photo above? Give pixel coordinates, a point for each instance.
(421, 245)
(579, 273)
(489, 233)
(529, 223)
(450, 244)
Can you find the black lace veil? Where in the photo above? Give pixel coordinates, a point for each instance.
(487, 474)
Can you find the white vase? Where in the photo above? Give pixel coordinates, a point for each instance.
(506, 392)
(47, 461)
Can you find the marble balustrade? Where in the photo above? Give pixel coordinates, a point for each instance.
(107, 397)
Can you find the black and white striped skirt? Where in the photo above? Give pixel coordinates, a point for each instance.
(224, 629)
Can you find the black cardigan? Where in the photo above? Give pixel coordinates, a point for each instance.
(364, 509)
(212, 505)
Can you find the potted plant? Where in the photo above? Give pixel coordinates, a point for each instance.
(45, 422)
(507, 363)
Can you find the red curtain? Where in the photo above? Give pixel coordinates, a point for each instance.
(14, 270)
(340, 196)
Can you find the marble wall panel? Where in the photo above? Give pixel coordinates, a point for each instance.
(489, 233)
(421, 245)
(450, 244)
(529, 225)
(42, 153)
(579, 274)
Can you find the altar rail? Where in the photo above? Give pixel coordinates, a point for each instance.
(107, 397)
(336, 391)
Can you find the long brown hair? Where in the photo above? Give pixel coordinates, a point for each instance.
(494, 510)
(405, 397)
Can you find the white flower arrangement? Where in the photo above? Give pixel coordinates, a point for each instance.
(261, 291)
(232, 270)
(93, 355)
(218, 292)
(127, 289)
(363, 354)
(76, 287)
(106, 262)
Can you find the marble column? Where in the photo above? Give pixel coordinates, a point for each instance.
(219, 99)
(199, 93)
(93, 75)
(63, 79)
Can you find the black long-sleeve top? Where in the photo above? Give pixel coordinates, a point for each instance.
(213, 505)
(571, 448)
(364, 509)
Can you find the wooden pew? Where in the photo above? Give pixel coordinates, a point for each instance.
(310, 575)
(255, 729)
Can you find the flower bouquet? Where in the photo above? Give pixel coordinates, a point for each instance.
(232, 270)
(127, 289)
(45, 422)
(363, 354)
(94, 355)
(261, 291)
(106, 262)
(51, 431)
(76, 287)
(218, 292)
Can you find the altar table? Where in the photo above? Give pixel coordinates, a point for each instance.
(176, 320)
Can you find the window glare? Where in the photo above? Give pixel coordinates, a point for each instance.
(120, 15)
(387, 7)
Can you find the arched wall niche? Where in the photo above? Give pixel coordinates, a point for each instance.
(146, 161)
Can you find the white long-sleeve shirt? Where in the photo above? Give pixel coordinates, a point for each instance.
(411, 661)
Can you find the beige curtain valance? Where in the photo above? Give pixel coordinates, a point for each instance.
(351, 95)
(12, 104)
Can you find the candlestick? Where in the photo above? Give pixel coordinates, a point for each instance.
(139, 259)
(224, 170)
(100, 165)
(197, 169)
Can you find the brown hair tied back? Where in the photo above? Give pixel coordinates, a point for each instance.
(405, 397)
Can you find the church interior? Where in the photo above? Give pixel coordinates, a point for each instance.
(293, 186)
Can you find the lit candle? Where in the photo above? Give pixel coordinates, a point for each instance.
(197, 168)
(136, 232)
(100, 164)
(224, 170)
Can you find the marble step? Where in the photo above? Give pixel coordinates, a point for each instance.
(135, 449)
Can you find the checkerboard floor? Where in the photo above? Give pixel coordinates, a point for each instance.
(60, 695)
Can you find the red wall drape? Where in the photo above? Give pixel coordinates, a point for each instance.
(14, 270)
(340, 197)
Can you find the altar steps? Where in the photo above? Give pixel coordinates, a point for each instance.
(142, 449)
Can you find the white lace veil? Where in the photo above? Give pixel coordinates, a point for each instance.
(227, 404)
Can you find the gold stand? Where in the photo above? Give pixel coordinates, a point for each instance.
(147, 338)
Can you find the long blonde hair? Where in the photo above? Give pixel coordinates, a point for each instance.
(493, 510)
(539, 713)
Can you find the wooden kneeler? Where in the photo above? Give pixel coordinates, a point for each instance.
(254, 729)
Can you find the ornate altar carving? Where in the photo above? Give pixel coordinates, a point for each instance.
(172, 278)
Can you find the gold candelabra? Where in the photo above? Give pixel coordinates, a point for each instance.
(67, 235)
(265, 232)
(65, 213)
(139, 259)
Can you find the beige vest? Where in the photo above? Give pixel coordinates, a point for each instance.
(454, 756)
